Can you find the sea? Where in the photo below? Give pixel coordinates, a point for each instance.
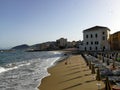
(20, 70)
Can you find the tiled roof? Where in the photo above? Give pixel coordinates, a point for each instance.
(116, 32)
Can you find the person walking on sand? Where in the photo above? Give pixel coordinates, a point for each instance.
(66, 62)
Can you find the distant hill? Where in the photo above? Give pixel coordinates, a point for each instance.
(23, 46)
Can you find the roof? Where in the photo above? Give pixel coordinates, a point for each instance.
(96, 28)
(116, 32)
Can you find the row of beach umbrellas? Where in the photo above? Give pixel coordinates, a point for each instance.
(98, 76)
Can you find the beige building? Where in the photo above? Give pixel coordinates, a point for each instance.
(96, 39)
(72, 44)
(44, 46)
(115, 41)
(62, 42)
(69, 45)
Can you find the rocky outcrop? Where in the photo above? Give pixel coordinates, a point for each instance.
(23, 46)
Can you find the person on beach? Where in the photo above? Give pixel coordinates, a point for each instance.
(66, 62)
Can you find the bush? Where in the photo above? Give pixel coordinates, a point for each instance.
(118, 59)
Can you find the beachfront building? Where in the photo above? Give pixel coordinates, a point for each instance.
(72, 44)
(96, 39)
(115, 41)
(61, 43)
(69, 45)
(44, 46)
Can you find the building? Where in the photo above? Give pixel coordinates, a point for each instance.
(81, 46)
(115, 41)
(96, 39)
(44, 46)
(69, 45)
(72, 44)
(61, 43)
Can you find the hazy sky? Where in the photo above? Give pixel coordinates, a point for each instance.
(36, 21)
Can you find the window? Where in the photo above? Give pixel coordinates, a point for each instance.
(85, 49)
(91, 43)
(103, 37)
(96, 35)
(96, 42)
(87, 43)
(103, 33)
(103, 48)
(96, 48)
(91, 35)
(90, 48)
(86, 36)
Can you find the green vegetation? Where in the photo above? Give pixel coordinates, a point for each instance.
(118, 59)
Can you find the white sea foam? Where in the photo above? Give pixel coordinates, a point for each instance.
(23, 64)
(2, 69)
(26, 75)
(11, 67)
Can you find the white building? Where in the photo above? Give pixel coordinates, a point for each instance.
(96, 39)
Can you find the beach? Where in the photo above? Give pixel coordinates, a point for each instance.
(71, 74)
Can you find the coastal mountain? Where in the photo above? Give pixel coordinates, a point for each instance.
(23, 46)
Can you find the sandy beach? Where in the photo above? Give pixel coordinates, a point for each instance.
(74, 75)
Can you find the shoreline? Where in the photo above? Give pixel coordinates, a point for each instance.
(54, 64)
(57, 78)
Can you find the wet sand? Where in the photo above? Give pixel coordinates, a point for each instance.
(73, 75)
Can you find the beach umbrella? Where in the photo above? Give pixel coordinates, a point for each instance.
(89, 64)
(93, 69)
(107, 55)
(98, 77)
(116, 55)
(107, 84)
(108, 62)
(113, 65)
(103, 58)
(99, 56)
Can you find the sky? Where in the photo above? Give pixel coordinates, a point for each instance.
(36, 21)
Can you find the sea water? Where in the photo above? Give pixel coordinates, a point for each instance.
(20, 70)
